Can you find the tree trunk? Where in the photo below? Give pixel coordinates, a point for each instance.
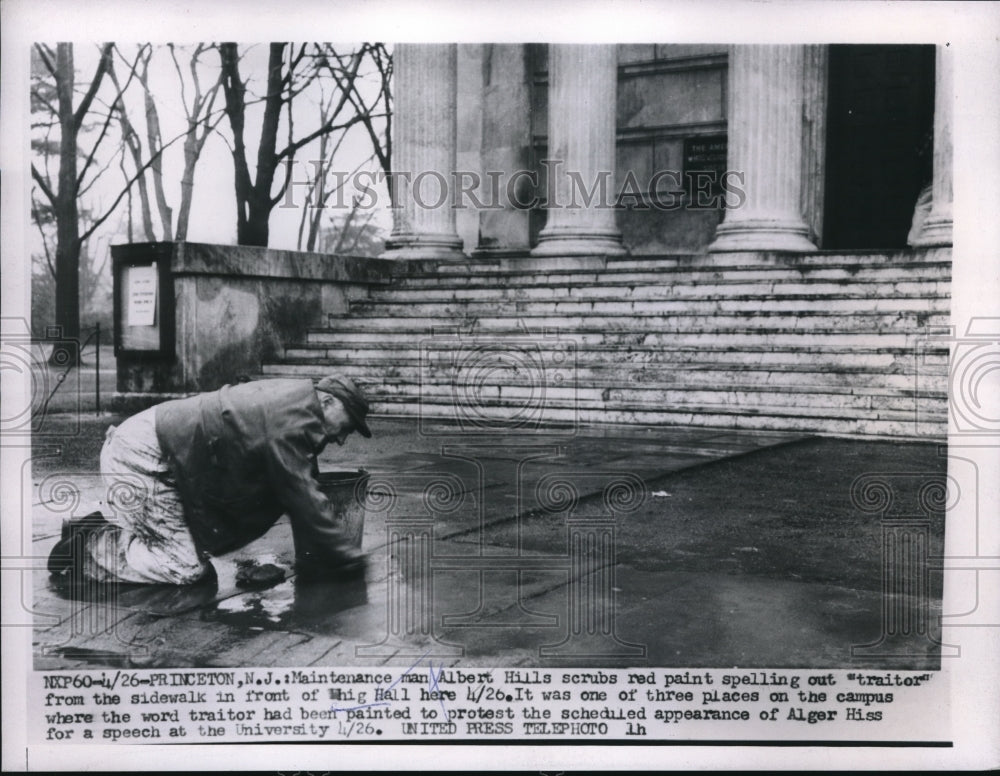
(254, 202)
(235, 93)
(187, 184)
(259, 204)
(155, 142)
(66, 212)
(255, 229)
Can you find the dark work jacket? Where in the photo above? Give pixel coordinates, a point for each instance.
(243, 456)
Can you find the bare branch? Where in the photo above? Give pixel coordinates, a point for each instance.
(128, 186)
(361, 109)
(180, 77)
(44, 186)
(46, 55)
(37, 96)
(93, 151)
(360, 233)
(116, 105)
(37, 218)
(97, 176)
(95, 84)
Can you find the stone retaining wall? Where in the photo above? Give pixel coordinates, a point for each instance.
(234, 308)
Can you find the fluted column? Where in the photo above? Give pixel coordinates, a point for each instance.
(937, 227)
(423, 139)
(814, 111)
(580, 218)
(766, 144)
(506, 151)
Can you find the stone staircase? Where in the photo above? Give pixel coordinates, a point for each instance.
(827, 343)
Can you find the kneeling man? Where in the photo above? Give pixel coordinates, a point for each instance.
(201, 476)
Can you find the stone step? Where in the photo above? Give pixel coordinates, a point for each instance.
(672, 275)
(692, 291)
(757, 259)
(382, 353)
(812, 321)
(732, 339)
(620, 306)
(511, 387)
(725, 402)
(488, 419)
(476, 265)
(835, 343)
(793, 379)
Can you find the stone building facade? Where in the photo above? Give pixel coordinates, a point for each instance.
(627, 234)
(832, 142)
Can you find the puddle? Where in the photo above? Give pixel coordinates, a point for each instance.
(159, 600)
(314, 607)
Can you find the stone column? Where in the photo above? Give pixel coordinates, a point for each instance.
(766, 87)
(583, 87)
(423, 139)
(937, 227)
(506, 151)
(814, 111)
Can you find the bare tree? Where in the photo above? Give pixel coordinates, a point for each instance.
(377, 115)
(200, 121)
(290, 71)
(351, 234)
(81, 148)
(133, 143)
(374, 114)
(63, 195)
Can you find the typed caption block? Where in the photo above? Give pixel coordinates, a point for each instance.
(462, 704)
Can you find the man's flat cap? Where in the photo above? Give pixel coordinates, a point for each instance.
(353, 398)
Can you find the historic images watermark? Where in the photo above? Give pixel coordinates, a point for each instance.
(499, 589)
(665, 190)
(502, 578)
(44, 363)
(498, 383)
(909, 505)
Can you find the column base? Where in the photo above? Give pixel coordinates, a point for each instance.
(762, 235)
(579, 243)
(937, 231)
(443, 247)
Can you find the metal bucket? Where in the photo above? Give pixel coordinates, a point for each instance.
(347, 491)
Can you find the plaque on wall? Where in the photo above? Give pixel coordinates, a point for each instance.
(704, 169)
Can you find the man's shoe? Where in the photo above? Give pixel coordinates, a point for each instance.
(64, 556)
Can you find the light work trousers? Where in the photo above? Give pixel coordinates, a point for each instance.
(151, 542)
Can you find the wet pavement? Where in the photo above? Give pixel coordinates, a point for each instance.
(534, 550)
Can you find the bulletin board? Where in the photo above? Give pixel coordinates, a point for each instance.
(143, 303)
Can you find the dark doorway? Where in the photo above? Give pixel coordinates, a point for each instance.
(881, 113)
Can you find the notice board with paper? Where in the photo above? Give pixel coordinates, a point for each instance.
(143, 302)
